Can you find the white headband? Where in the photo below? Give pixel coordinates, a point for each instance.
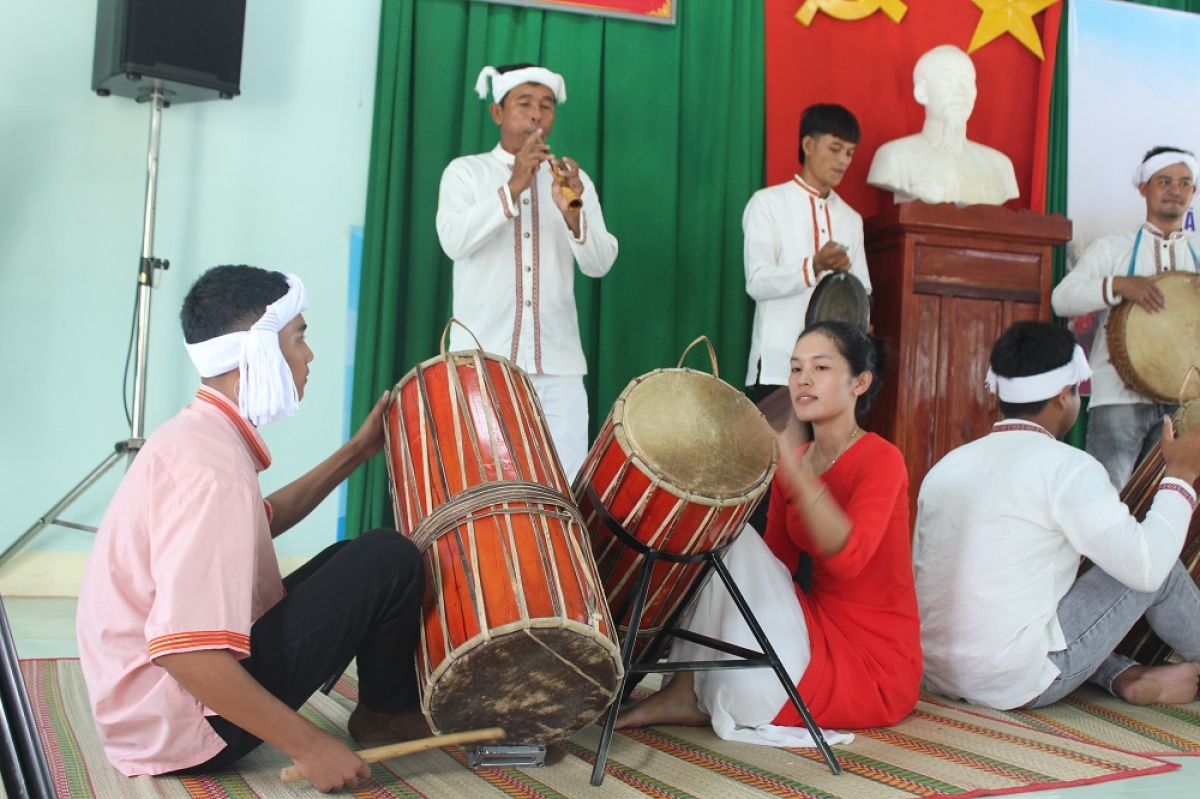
(1035, 388)
(267, 391)
(1147, 168)
(503, 84)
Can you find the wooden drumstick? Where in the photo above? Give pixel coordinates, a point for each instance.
(381, 753)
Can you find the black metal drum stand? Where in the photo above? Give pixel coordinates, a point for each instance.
(748, 659)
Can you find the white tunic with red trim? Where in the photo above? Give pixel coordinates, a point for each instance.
(514, 262)
(785, 226)
(183, 561)
(1088, 288)
(1001, 525)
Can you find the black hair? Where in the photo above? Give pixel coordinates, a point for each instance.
(226, 299)
(817, 120)
(1160, 150)
(510, 68)
(864, 354)
(1031, 348)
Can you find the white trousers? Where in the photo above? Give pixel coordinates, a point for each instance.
(565, 404)
(743, 702)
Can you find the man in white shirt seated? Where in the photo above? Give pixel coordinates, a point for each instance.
(1001, 525)
(515, 221)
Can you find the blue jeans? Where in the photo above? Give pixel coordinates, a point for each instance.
(1096, 614)
(1119, 436)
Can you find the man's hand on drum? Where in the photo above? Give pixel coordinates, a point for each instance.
(368, 441)
(831, 258)
(1181, 453)
(1141, 291)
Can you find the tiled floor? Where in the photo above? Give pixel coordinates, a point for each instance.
(45, 628)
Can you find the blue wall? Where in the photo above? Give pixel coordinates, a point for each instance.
(274, 178)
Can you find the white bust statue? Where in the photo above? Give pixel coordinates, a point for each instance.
(939, 164)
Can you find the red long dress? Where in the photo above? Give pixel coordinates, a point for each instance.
(862, 610)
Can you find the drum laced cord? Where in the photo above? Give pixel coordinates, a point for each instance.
(451, 514)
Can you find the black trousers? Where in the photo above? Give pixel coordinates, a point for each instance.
(356, 599)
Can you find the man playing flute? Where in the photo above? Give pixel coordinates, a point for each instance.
(508, 221)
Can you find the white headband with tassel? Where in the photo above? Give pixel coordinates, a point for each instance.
(1035, 388)
(267, 391)
(1147, 168)
(502, 84)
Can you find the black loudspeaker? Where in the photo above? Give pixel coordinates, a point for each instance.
(190, 49)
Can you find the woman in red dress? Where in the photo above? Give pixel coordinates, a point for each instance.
(830, 582)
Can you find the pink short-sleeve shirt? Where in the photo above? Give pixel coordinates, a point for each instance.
(183, 561)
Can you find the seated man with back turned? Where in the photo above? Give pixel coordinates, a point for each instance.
(194, 649)
(1001, 525)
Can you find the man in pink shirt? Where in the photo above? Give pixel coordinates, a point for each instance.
(194, 649)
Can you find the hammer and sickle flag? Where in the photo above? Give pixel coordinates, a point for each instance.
(851, 10)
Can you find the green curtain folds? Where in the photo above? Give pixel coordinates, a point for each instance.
(1056, 179)
(667, 120)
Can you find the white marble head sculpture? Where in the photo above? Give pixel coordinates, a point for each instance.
(940, 164)
(944, 82)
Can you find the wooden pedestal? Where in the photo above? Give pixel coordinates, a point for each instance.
(946, 282)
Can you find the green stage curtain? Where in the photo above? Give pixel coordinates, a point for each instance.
(668, 121)
(1056, 171)
(1056, 179)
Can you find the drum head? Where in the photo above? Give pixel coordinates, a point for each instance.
(540, 684)
(697, 433)
(1160, 348)
(839, 297)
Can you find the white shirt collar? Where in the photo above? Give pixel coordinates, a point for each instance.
(1019, 425)
(1154, 231)
(504, 156)
(810, 190)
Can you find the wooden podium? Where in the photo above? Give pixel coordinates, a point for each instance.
(946, 282)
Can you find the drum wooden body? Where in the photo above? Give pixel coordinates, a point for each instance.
(517, 631)
(1153, 352)
(679, 465)
(1142, 644)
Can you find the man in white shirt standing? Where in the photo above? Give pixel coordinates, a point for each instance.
(795, 233)
(1122, 424)
(515, 221)
(1001, 525)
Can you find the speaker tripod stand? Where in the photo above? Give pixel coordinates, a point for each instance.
(127, 448)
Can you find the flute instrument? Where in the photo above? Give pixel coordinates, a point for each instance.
(573, 200)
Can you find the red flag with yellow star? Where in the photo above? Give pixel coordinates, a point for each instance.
(861, 53)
